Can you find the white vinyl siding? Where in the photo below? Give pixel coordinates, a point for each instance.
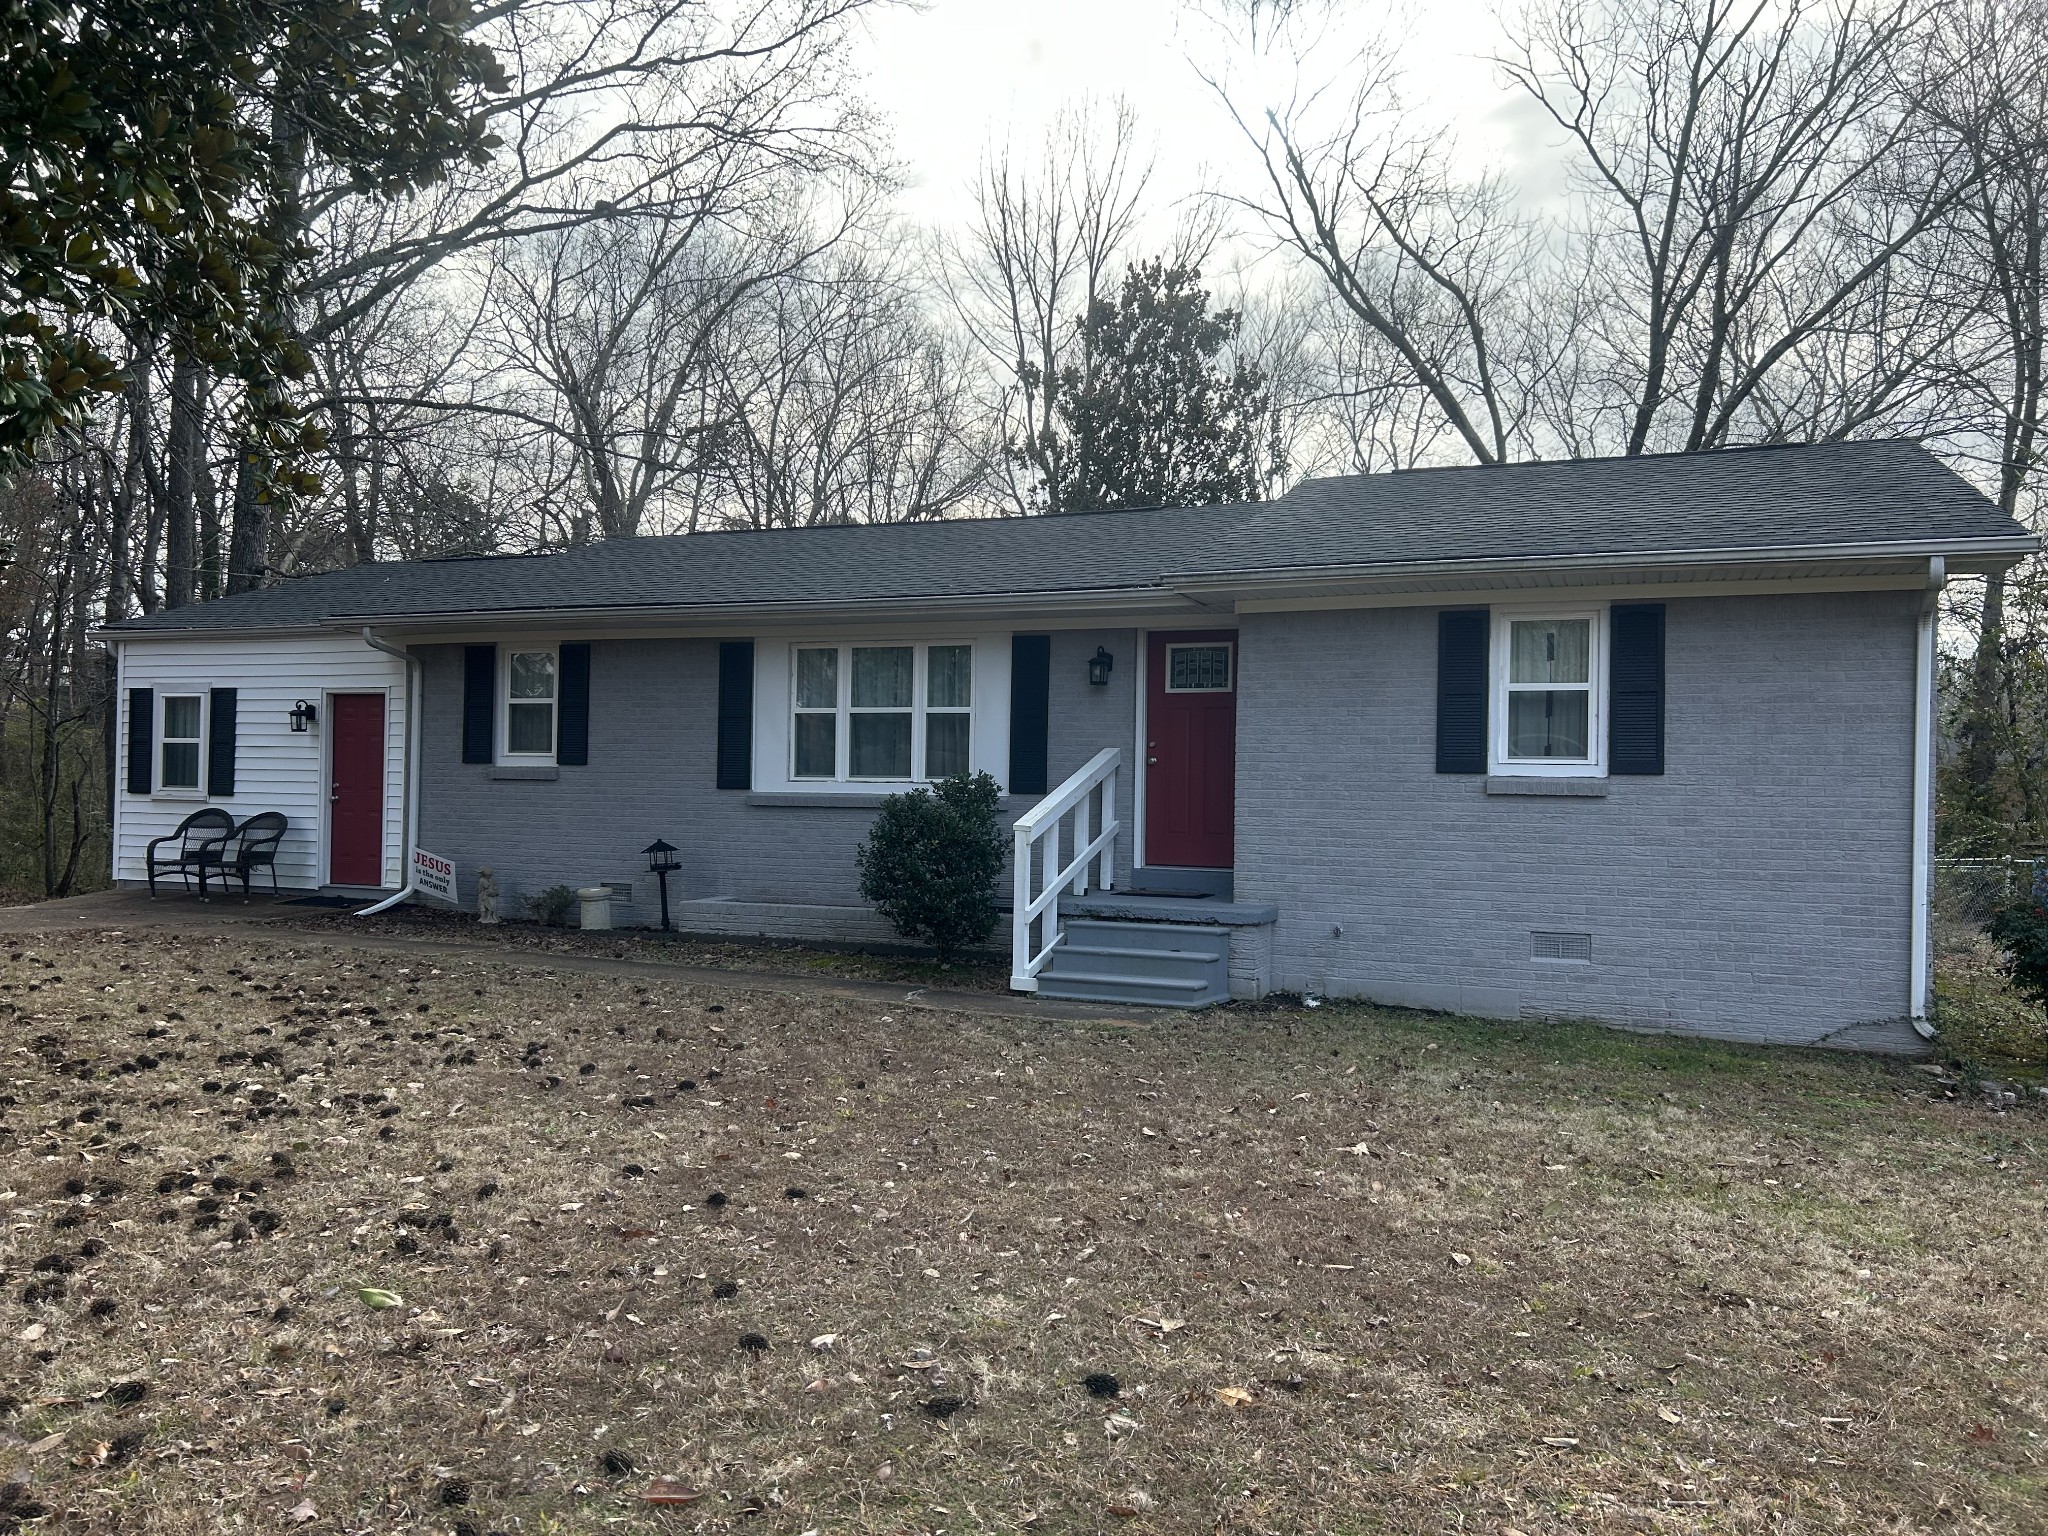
(276, 769)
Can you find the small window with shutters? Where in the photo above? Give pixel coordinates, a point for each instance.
(1549, 672)
(531, 693)
(179, 743)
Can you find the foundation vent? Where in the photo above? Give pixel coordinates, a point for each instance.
(1561, 946)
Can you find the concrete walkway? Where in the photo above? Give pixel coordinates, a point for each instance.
(127, 911)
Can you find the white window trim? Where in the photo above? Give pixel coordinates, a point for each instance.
(1230, 650)
(845, 709)
(505, 756)
(1593, 766)
(163, 791)
(988, 730)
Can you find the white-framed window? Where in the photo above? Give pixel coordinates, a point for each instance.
(1201, 666)
(529, 693)
(180, 742)
(880, 712)
(1549, 692)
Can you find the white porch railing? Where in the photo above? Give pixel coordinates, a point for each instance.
(1039, 875)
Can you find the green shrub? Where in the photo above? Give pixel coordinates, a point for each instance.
(553, 905)
(932, 859)
(2021, 930)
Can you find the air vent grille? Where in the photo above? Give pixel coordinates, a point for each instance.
(1561, 946)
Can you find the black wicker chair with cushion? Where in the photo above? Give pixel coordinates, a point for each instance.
(255, 847)
(198, 844)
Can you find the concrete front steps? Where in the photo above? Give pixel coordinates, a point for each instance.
(1156, 965)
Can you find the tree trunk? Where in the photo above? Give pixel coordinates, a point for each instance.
(209, 523)
(187, 444)
(249, 543)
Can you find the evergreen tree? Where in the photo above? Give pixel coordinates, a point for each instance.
(1156, 412)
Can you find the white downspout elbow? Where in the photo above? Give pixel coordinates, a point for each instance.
(409, 819)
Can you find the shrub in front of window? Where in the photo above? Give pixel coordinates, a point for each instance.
(553, 905)
(932, 861)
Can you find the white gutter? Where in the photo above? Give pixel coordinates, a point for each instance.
(1923, 792)
(2018, 548)
(409, 819)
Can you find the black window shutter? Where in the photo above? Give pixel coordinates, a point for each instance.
(141, 740)
(572, 730)
(735, 714)
(479, 702)
(220, 743)
(1461, 645)
(1030, 711)
(1635, 689)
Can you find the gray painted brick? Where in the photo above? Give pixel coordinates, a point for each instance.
(1758, 890)
(651, 774)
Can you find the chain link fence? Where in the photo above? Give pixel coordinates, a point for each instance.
(1970, 890)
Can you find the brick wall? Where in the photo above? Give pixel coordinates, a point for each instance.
(1758, 890)
(651, 774)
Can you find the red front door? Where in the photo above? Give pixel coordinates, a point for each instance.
(1191, 748)
(355, 789)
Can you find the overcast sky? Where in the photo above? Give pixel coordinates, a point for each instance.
(961, 75)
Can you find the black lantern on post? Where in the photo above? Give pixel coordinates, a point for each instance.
(1098, 668)
(661, 859)
(302, 717)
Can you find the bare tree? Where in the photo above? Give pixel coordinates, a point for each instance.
(1045, 243)
(618, 107)
(1748, 178)
(1986, 73)
(1750, 174)
(839, 400)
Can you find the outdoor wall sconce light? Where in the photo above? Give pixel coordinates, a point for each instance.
(303, 716)
(661, 861)
(1099, 666)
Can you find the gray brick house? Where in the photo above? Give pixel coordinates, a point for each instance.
(1642, 740)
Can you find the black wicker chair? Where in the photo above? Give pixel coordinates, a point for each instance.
(198, 844)
(255, 847)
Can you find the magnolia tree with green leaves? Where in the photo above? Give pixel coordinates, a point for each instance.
(152, 154)
(1156, 410)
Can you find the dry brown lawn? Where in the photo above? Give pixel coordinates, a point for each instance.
(840, 1267)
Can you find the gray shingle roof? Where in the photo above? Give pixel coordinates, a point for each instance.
(1789, 498)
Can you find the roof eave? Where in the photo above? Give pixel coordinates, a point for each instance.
(1962, 556)
(1132, 602)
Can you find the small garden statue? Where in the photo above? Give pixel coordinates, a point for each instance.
(487, 898)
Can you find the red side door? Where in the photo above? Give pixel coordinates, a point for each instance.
(1191, 748)
(355, 789)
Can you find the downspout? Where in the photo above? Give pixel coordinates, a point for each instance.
(409, 819)
(1923, 790)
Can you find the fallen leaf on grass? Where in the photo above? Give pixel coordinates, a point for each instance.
(377, 1300)
(303, 1511)
(1235, 1397)
(669, 1490)
(47, 1443)
(1561, 1442)
(1668, 1416)
(1982, 1434)
(32, 1332)
(1163, 1325)
(1462, 1260)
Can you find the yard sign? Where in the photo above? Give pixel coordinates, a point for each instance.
(433, 875)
